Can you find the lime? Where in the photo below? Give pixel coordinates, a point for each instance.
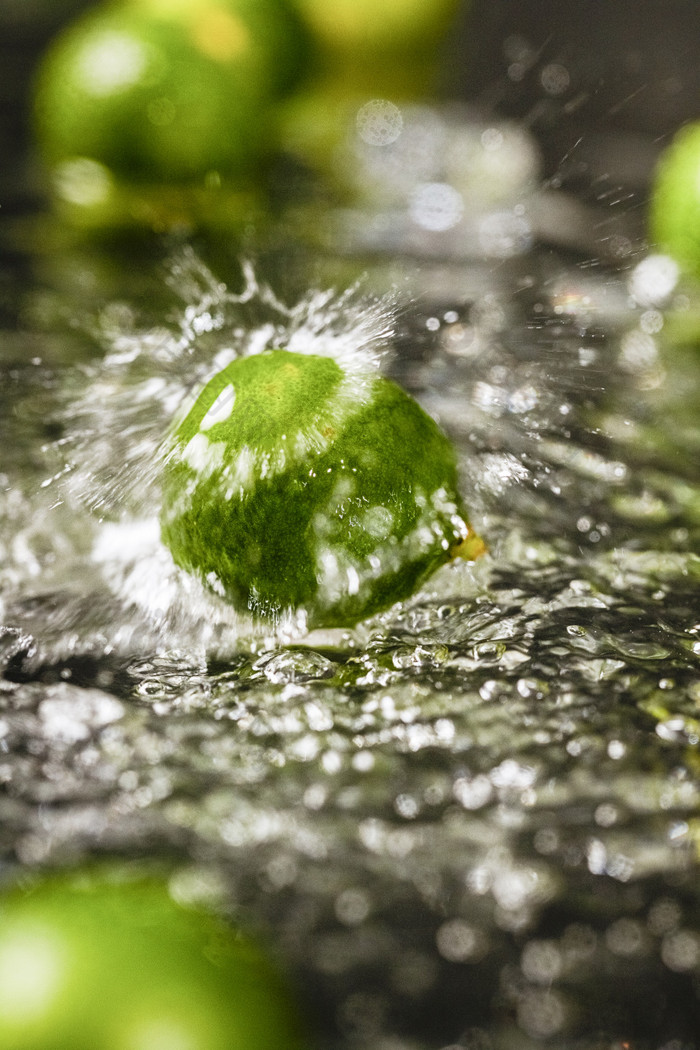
(674, 218)
(296, 484)
(368, 54)
(392, 25)
(100, 962)
(269, 35)
(158, 92)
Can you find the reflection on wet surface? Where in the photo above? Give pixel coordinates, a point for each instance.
(472, 821)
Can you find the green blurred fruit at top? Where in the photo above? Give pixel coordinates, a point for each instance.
(155, 93)
(390, 25)
(95, 962)
(294, 483)
(674, 217)
(279, 42)
(368, 52)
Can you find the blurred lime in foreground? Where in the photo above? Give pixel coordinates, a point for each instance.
(144, 94)
(674, 218)
(98, 962)
(296, 482)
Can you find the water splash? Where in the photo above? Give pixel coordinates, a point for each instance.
(472, 822)
(115, 428)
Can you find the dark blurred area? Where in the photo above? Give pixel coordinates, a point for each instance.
(602, 85)
(26, 27)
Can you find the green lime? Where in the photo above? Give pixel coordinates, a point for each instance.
(296, 484)
(99, 962)
(174, 95)
(270, 36)
(674, 217)
(369, 54)
(392, 25)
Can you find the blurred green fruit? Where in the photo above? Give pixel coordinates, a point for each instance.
(296, 484)
(98, 962)
(392, 25)
(369, 54)
(174, 92)
(278, 42)
(674, 216)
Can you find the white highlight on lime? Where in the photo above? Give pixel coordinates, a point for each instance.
(112, 63)
(82, 181)
(31, 973)
(221, 409)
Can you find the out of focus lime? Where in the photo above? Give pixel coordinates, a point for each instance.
(674, 218)
(294, 483)
(393, 25)
(148, 92)
(102, 962)
(270, 36)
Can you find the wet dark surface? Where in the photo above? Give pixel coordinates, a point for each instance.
(473, 821)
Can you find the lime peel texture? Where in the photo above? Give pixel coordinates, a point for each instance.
(298, 483)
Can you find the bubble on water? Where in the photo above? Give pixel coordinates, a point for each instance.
(541, 961)
(555, 78)
(504, 234)
(459, 941)
(494, 165)
(70, 715)
(353, 906)
(436, 206)
(626, 937)
(295, 666)
(379, 122)
(680, 950)
(473, 792)
(638, 351)
(653, 280)
(542, 1014)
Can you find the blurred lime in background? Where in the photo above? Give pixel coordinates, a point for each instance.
(102, 961)
(674, 214)
(366, 51)
(145, 94)
(393, 45)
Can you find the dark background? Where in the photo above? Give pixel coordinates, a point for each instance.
(631, 78)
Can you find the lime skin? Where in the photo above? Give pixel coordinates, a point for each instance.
(280, 46)
(399, 26)
(93, 961)
(293, 484)
(167, 92)
(674, 214)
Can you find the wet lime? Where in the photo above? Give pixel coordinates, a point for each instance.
(296, 484)
(97, 962)
(674, 219)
